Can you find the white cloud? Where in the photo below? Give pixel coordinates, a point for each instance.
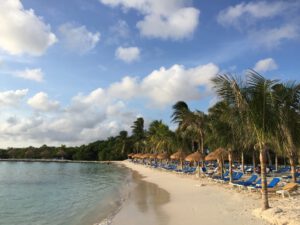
(266, 24)
(31, 74)
(41, 102)
(171, 19)
(177, 25)
(273, 37)
(22, 31)
(265, 65)
(11, 97)
(166, 86)
(128, 55)
(249, 12)
(78, 38)
(121, 29)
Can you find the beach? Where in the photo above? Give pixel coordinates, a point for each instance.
(167, 198)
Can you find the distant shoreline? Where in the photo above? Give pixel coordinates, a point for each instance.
(54, 160)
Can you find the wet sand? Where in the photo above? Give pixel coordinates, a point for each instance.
(164, 198)
(144, 204)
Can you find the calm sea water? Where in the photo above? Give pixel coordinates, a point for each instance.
(59, 193)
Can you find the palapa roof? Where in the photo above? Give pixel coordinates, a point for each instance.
(145, 156)
(153, 156)
(196, 157)
(163, 155)
(137, 156)
(178, 155)
(217, 154)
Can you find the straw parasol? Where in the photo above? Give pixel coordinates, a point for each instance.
(130, 155)
(178, 155)
(153, 156)
(219, 153)
(145, 156)
(194, 157)
(162, 156)
(136, 156)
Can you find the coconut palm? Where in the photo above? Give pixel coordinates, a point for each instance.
(138, 133)
(190, 124)
(287, 104)
(159, 137)
(255, 101)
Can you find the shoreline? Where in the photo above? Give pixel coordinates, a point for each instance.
(54, 160)
(191, 201)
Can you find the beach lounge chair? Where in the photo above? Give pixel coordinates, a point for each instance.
(287, 189)
(235, 176)
(215, 178)
(272, 184)
(246, 183)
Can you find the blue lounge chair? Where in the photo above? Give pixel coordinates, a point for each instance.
(235, 176)
(272, 183)
(219, 177)
(248, 182)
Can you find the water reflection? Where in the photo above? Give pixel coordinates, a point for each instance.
(149, 198)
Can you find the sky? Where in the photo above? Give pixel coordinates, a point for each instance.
(76, 71)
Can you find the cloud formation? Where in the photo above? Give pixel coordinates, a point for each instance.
(78, 38)
(128, 55)
(172, 19)
(22, 31)
(266, 24)
(12, 97)
(242, 13)
(31, 74)
(41, 102)
(265, 65)
(101, 113)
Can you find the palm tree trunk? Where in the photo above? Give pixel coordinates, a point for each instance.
(243, 162)
(230, 165)
(202, 148)
(276, 162)
(293, 169)
(253, 160)
(269, 158)
(264, 187)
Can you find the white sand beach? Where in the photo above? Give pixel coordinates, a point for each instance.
(191, 201)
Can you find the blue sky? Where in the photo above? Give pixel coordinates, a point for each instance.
(77, 71)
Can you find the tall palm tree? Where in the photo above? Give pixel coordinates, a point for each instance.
(160, 137)
(190, 123)
(138, 133)
(287, 104)
(255, 101)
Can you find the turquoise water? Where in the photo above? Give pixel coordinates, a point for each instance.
(59, 193)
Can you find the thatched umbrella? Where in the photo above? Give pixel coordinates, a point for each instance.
(162, 156)
(179, 155)
(146, 156)
(153, 156)
(219, 155)
(130, 155)
(194, 157)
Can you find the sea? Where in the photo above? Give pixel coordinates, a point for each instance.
(50, 193)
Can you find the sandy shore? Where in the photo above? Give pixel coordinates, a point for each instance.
(166, 198)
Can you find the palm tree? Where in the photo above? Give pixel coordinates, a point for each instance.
(123, 136)
(159, 136)
(255, 101)
(287, 105)
(190, 124)
(138, 133)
